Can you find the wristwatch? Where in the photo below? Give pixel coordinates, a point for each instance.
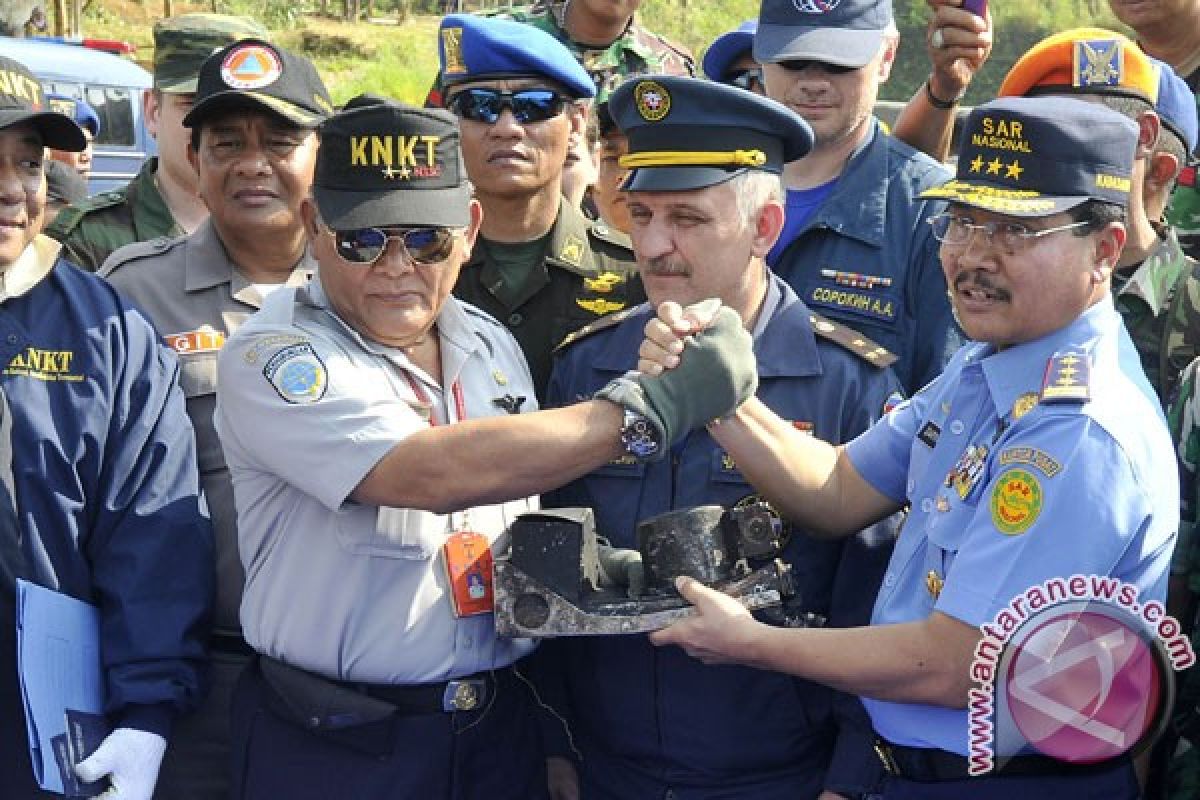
(638, 436)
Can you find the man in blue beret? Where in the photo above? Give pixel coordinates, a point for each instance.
(540, 266)
(705, 201)
(1034, 459)
(88, 121)
(730, 59)
(855, 246)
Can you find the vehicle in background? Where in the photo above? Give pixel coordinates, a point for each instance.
(112, 85)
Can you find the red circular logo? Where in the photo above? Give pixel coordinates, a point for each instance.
(1085, 683)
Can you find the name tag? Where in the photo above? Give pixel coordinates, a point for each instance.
(469, 569)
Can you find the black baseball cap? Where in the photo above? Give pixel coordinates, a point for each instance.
(23, 100)
(256, 75)
(387, 163)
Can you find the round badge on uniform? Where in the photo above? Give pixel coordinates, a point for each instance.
(652, 100)
(1016, 502)
(251, 67)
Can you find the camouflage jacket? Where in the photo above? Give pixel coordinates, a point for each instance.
(1160, 304)
(1183, 214)
(92, 230)
(635, 51)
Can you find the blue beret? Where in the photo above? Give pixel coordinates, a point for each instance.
(1176, 105)
(687, 133)
(727, 48)
(79, 110)
(484, 48)
(1037, 156)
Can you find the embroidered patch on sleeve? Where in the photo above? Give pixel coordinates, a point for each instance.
(297, 373)
(1016, 502)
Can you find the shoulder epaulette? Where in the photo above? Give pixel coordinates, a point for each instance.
(609, 234)
(136, 250)
(72, 215)
(601, 324)
(1068, 378)
(853, 341)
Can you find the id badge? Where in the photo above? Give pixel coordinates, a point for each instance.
(469, 569)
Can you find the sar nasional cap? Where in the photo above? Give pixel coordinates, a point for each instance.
(387, 164)
(255, 75)
(687, 133)
(1037, 156)
(22, 100)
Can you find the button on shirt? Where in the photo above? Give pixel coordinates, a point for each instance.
(1102, 502)
(306, 408)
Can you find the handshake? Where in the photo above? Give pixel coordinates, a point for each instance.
(696, 364)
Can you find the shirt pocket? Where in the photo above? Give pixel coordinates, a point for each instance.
(385, 532)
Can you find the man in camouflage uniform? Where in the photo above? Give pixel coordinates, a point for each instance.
(162, 199)
(1171, 32)
(1156, 286)
(539, 266)
(603, 36)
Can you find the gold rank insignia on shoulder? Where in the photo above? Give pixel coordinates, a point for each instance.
(1024, 404)
(572, 251)
(852, 340)
(599, 306)
(603, 283)
(934, 584)
(1067, 378)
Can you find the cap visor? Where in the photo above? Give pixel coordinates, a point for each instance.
(442, 208)
(1002, 201)
(843, 47)
(181, 86)
(58, 131)
(676, 179)
(223, 102)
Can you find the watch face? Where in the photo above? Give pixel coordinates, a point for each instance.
(639, 436)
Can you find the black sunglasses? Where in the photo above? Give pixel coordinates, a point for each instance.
(527, 105)
(805, 63)
(366, 245)
(745, 78)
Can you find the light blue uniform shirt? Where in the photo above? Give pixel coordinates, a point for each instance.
(1108, 505)
(306, 407)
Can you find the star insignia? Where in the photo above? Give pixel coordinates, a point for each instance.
(977, 164)
(994, 166)
(1014, 170)
(405, 173)
(389, 173)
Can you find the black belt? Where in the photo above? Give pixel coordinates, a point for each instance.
(460, 694)
(230, 644)
(930, 765)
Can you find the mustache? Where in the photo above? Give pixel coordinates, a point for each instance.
(665, 266)
(976, 279)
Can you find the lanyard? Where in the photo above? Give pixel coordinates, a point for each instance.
(460, 406)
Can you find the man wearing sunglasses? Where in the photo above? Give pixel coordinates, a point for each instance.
(855, 246)
(376, 430)
(1037, 455)
(729, 59)
(253, 148)
(540, 267)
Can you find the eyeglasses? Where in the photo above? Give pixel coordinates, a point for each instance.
(801, 64)
(1010, 236)
(365, 246)
(527, 105)
(746, 78)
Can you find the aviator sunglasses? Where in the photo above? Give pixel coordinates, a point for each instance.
(365, 246)
(527, 105)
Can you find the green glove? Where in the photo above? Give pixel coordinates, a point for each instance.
(621, 567)
(716, 374)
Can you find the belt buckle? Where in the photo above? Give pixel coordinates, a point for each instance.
(886, 758)
(463, 695)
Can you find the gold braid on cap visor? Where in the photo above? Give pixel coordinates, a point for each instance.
(688, 158)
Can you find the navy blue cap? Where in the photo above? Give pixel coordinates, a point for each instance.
(385, 163)
(472, 48)
(79, 110)
(688, 133)
(1176, 105)
(728, 48)
(843, 32)
(1037, 156)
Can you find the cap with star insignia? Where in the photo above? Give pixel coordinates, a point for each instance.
(853, 341)
(388, 164)
(1037, 156)
(686, 133)
(1067, 378)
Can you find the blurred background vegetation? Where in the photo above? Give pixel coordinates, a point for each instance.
(388, 46)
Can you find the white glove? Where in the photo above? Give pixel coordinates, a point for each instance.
(131, 758)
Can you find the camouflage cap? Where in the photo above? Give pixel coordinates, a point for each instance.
(182, 43)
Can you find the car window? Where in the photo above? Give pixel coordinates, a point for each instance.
(114, 106)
